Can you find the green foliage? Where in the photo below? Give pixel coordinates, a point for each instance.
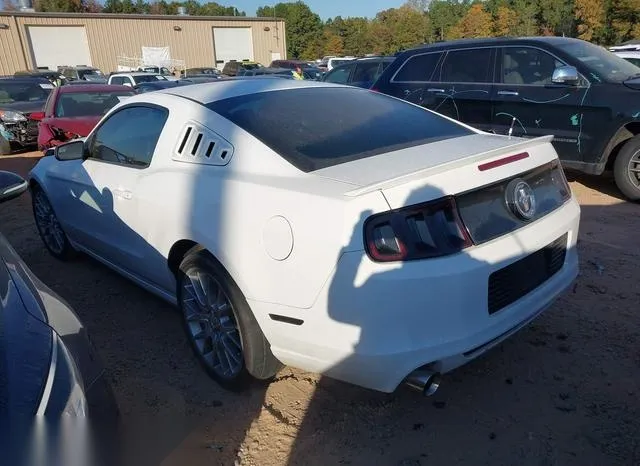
(304, 27)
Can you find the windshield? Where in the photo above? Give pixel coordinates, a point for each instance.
(345, 124)
(603, 65)
(148, 78)
(23, 91)
(84, 74)
(79, 104)
(251, 66)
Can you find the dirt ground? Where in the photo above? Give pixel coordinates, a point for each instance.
(563, 391)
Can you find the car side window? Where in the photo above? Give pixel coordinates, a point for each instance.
(467, 66)
(339, 75)
(526, 65)
(129, 136)
(418, 68)
(366, 71)
(117, 80)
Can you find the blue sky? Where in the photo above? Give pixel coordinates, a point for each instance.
(325, 8)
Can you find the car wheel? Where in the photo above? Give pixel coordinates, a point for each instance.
(5, 146)
(53, 237)
(219, 324)
(626, 169)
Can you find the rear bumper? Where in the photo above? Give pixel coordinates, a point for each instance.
(373, 323)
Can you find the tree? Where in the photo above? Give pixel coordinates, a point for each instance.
(303, 25)
(396, 29)
(623, 18)
(556, 17)
(419, 5)
(476, 23)
(590, 16)
(505, 21)
(527, 18)
(9, 5)
(66, 6)
(444, 14)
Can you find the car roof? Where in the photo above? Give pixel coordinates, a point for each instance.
(93, 88)
(134, 73)
(495, 41)
(26, 79)
(226, 88)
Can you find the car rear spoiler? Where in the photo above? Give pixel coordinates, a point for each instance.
(518, 146)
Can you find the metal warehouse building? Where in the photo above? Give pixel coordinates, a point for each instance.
(30, 40)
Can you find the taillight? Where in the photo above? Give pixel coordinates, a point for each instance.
(559, 179)
(421, 231)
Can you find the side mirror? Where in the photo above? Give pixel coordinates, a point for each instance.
(37, 116)
(73, 150)
(128, 84)
(11, 186)
(566, 75)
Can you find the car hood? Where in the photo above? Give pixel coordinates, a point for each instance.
(81, 126)
(24, 107)
(25, 352)
(43, 305)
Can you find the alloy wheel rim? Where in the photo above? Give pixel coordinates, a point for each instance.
(211, 323)
(47, 223)
(634, 169)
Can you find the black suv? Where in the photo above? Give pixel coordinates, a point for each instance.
(359, 73)
(584, 95)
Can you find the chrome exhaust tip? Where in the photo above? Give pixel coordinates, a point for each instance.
(426, 382)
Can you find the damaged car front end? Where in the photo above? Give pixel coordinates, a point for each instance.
(19, 98)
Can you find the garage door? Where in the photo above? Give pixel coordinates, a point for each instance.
(54, 46)
(232, 44)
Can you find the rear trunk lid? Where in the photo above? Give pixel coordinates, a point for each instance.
(478, 171)
(434, 170)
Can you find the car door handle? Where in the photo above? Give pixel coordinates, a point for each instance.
(508, 93)
(434, 89)
(123, 193)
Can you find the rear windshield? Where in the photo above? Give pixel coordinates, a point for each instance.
(79, 104)
(150, 78)
(23, 91)
(344, 124)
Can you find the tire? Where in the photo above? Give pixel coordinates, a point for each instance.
(5, 146)
(224, 335)
(49, 228)
(628, 159)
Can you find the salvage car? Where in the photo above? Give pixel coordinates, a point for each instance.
(83, 73)
(336, 241)
(19, 97)
(50, 367)
(582, 94)
(132, 79)
(73, 111)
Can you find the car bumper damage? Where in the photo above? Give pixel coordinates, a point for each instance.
(24, 133)
(377, 325)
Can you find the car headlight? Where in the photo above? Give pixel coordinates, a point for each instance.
(63, 393)
(11, 116)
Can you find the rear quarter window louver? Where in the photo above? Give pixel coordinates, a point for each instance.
(199, 144)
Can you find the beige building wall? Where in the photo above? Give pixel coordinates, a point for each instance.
(110, 36)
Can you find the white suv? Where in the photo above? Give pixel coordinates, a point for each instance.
(135, 78)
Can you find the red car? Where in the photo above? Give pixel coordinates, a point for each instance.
(73, 111)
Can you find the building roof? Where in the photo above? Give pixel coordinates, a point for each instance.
(135, 16)
(234, 87)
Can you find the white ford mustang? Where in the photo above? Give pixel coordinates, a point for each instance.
(329, 228)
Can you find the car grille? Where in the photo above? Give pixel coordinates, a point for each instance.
(511, 283)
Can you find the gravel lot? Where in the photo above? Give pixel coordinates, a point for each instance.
(563, 391)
